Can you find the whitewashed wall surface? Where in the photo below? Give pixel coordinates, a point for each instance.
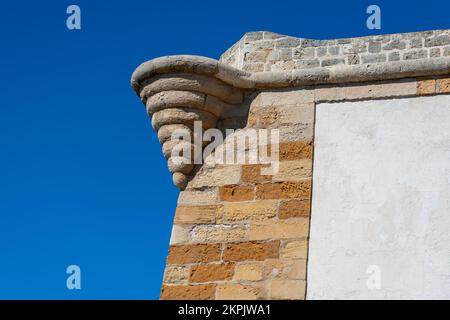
(380, 222)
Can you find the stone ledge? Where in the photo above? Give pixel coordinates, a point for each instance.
(285, 79)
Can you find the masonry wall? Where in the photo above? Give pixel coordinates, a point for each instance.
(240, 235)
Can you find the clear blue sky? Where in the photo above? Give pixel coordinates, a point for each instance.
(82, 177)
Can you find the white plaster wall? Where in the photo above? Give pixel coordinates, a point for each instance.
(381, 197)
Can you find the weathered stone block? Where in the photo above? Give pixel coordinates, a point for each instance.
(279, 229)
(194, 253)
(297, 249)
(332, 62)
(252, 271)
(188, 292)
(296, 150)
(425, 87)
(293, 170)
(294, 208)
(180, 234)
(196, 214)
(197, 197)
(251, 173)
(176, 274)
(255, 210)
(236, 291)
(236, 193)
(288, 289)
(219, 233)
(443, 85)
(212, 272)
(248, 251)
(284, 190)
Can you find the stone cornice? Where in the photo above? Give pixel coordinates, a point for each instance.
(178, 90)
(292, 78)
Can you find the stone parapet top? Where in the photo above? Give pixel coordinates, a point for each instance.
(267, 51)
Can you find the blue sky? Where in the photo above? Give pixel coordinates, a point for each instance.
(82, 177)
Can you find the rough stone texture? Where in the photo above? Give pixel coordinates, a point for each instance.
(251, 251)
(212, 272)
(188, 292)
(240, 233)
(251, 271)
(182, 254)
(236, 291)
(307, 53)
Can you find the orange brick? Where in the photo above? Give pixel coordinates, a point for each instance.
(212, 272)
(284, 190)
(294, 208)
(252, 251)
(182, 254)
(425, 87)
(296, 150)
(196, 214)
(188, 292)
(251, 173)
(443, 85)
(236, 193)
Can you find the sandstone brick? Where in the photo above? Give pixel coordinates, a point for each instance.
(295, 132)
(255, 210)
(216, 176)
(294, 208)
(294, 114)
(236, 193)
(297, 249)
(284, 190)
(293, 170)
(296, 269)
(285, 97)
(212, 272)
(196, 214)
(235, 291)
(196, 197)
(296, 150)
(251, 173)
(279, 229)
(323, 94)
(188, 292)
(288, 289)
(443, 85)
(425, 87)
(252, 251)
(285, 269)
(176, 274)
(252, 271)
(264, 118)
(380, 90)
(219, 233)
(195, 253)
(180, 234)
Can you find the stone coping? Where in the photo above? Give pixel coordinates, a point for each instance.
(292, 78)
